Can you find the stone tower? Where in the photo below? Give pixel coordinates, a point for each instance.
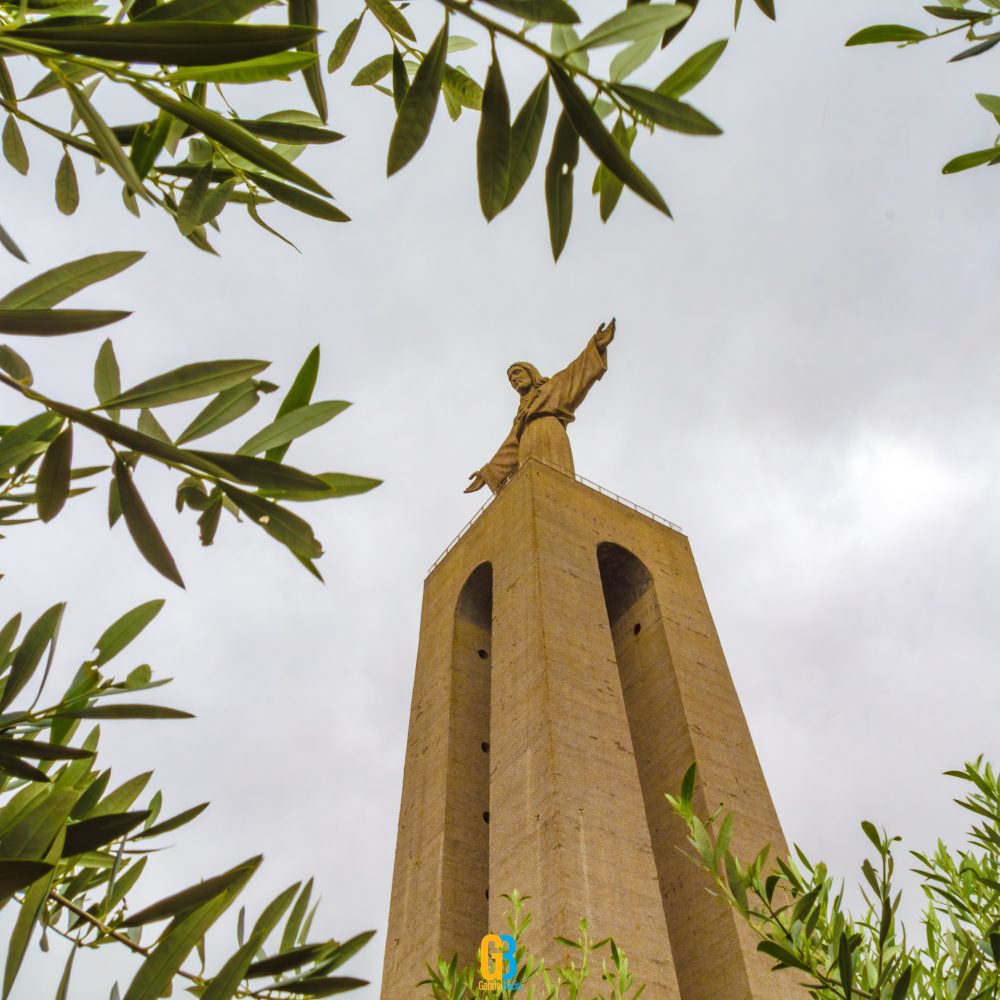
(568, 673)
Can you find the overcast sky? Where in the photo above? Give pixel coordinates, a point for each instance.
(804, 378)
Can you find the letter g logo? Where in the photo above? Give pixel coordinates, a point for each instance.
(491, 958)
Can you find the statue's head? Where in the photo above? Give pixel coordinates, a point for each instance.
(524, 376)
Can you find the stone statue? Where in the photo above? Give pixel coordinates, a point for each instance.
(547, 405)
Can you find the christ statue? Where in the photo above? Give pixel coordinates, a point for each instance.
(547, 405)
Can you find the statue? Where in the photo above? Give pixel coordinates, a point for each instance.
(547, 405)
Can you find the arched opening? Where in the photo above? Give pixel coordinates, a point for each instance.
(660, 736)
(467, 843)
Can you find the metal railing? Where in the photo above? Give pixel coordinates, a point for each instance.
(580, 479)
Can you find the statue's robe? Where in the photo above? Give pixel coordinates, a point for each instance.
(542, 415)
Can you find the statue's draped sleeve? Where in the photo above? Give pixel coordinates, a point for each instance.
(502, 464)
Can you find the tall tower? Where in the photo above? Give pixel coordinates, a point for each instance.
(568, 673)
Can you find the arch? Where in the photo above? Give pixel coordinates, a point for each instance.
(661, 738)
(467, 796)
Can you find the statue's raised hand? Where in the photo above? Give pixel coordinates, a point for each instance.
(477, 483)
(605, 334)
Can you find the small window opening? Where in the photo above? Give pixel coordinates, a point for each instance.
(637, 629)
(485, 747)
(486, 816)
(483, 655)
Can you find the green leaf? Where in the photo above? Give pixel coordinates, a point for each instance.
(629, 59)
(15, 366)
(67, 189)
(635, 23)
(10, 246)
(493, 144)
(107, 376)
(55, 285)
(372, 72)
(279, 66)
(17, 875)
(142, 527)
(14, 150)
(990, 102)
(17, 768)
(184, 901)
(173, 44)
(173, 823)
(42, 632)
(526, 137)
(148, 424)
(543, 11)
(902, 987)
(665, 111)
(261, 472)
(127, 628)
(227, 980)
(844, 965)
(590, 128)
(413, 122)
(104, 139)
(90, 834)
(968, 160)
(201, 10)
(609, 185)
(31, 835)
(342, 47)
(292, 425)
(283, 961)
(32, 904)
(227, 132)
(157, 971)
(291, 932)
(784, 955)
(299, 199)
(693, 70)
(886, 33)
(187, 382)
(190, 208)
(28, 438)
(62, 991)
(56, 322)
(273, 912)
(391, 18)
(299, 394)
(400, 79)
(339, 484)
(559, 175)
(319, 987)
(228, 405)
(344, 952)
(289, 529)
(306, 12)
(125, 712)
(52, 485)
(288, 132)
(39, 750)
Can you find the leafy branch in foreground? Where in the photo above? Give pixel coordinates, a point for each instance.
(971, 18)
(212, 481)
(185, 46)
(72, 852)
(529, 978)
(803, 925)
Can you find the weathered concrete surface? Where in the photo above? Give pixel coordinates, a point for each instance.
(590, 721)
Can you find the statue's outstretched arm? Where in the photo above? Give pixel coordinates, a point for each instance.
(499, 467)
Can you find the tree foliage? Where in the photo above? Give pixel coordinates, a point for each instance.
(798, 912)
(971, 20)
(74, 845)
(192, 154)
(533, 979)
